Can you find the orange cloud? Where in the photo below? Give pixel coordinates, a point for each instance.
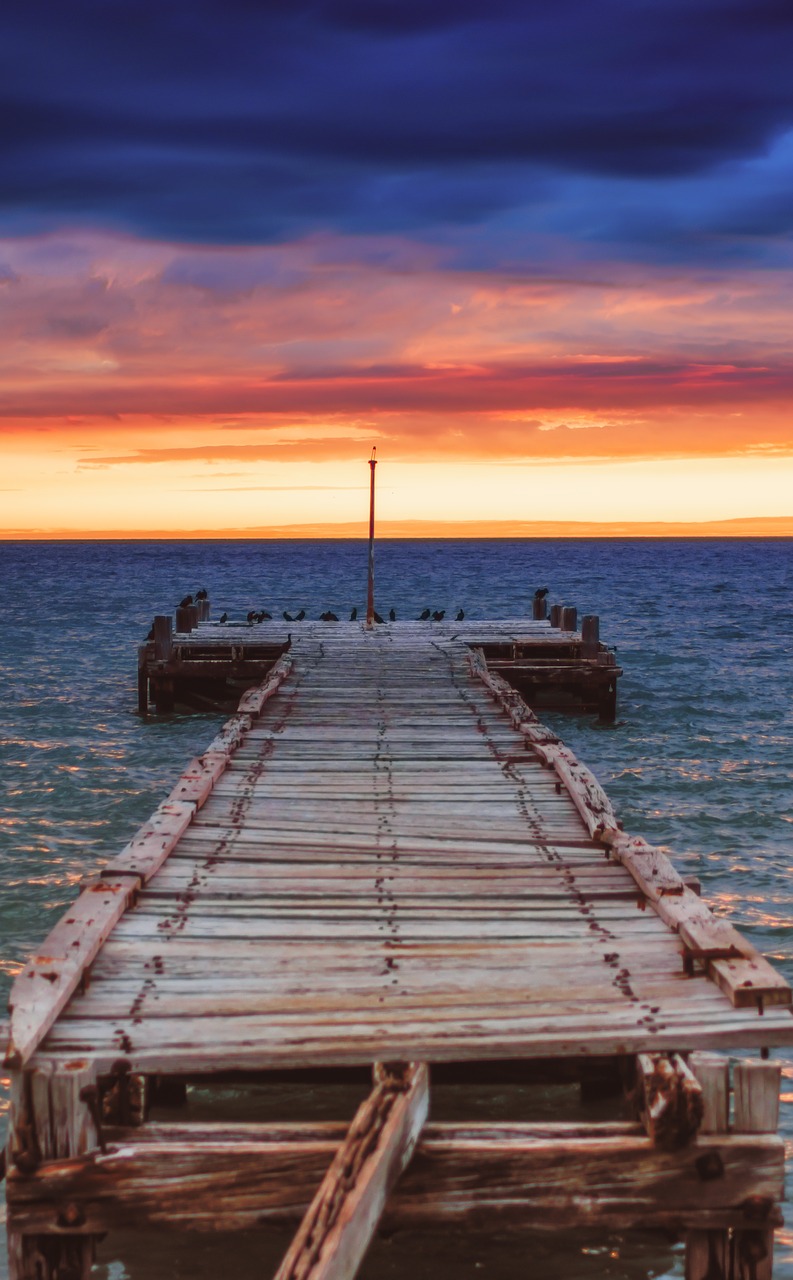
(121, 358)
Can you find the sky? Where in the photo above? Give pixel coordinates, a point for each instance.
(539, 255)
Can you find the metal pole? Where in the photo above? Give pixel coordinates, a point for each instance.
(370, 583)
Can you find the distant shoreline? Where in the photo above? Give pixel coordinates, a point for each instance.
(747, 527)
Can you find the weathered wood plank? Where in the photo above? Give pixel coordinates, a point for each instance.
(46, 982)
(502, 1173)
(344, 1214)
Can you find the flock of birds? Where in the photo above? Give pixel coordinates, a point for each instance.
(262, 615)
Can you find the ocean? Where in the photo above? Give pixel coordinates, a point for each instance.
(700, 762)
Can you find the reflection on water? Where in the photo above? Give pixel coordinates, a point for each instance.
(701, 761)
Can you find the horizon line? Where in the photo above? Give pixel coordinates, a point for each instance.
(736, 527)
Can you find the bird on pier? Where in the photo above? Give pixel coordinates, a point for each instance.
(327, 616)
(300, 616)
(224, 617)
(439, 615)
(251, 616)
(354, 615)
(424, 616)
(540, 593)
(392, 615)
(287, 616)
(183, 604)
(264, 616)
(377, 617)
(460, 614)
(203, 594)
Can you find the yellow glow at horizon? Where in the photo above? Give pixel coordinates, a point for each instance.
(48, 491)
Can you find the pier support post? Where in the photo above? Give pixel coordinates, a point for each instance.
(51, 1119)
(556, 615)
(707, 1252)
(143, 680)
(184, 619)
(569, 618)
(163, 692)
(163, 628)
(755, 1110)
(539, 608)
(607, 703)
(743, 1254)
(590, 635)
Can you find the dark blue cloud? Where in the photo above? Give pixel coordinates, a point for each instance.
(243, 122)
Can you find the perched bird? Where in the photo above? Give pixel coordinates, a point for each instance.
(377, 617)
(460, 614)
(251, 615)
(203, 594)
(184, 603)
(264, 616)
(224, 617)
(424, 616)
(439, 615)
(300, 616)
(287, 616)
(540, 593)
(327, 616)
(354, 615)
(392, 615)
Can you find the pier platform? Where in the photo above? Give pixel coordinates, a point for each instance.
(385, 868)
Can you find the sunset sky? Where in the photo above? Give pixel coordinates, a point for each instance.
(539, 255)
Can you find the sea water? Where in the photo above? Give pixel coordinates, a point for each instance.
(699, 762)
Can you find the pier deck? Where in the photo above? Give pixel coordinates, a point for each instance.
(383, 858)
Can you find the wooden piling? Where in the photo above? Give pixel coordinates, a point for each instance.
(590, 634)
(163, 630)
(51, 1119)
(539, 608)
(747, 1251)
(569, 618)
(556, 615)
(184, 620)
(143, 680)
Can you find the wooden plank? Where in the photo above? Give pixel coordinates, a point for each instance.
(756, 1096)
(458, 1174)
(252, 702)
(49, 978)
(150, 846)
(713, 1073)
(184, 1045)
(344, 1214)
(733, 963)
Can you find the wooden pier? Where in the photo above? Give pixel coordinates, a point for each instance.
(204, 667)
(385, 868)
